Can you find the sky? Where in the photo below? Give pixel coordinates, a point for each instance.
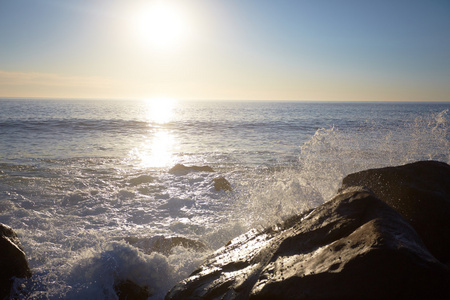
(347, 50)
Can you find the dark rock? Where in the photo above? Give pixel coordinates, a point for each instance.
(180, 169)
(352, 247)
(128, 290)
(220, 183)
(165, 245)
(420, 192)
(13, 262)
(140, 180)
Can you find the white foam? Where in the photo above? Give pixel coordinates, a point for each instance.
(331, 154)
(92, 272)
(70, 214)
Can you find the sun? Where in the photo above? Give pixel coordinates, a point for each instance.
(160, 110)
(161, 25)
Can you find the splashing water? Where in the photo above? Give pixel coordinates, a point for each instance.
(333, 153)
(76, 181)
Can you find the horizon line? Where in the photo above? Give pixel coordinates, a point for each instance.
(218, 100)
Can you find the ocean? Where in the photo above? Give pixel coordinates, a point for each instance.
(87, 184)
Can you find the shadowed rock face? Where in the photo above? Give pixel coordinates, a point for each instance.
(180, 169)
(354, 246)
(13, 262)
(131, 291)
(140, 180)
(165, 245)
(220, 183)
(420, 192)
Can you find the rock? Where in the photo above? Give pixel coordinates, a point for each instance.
(140, 180)
(130, 290)
(352, 247)
(13, 262)
(180, 169)
(165, 245)
(420, 192)
(220, 183)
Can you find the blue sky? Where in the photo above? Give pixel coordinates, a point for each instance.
(239, 50)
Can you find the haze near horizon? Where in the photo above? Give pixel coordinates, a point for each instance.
(233, 50)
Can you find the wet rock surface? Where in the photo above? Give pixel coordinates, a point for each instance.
(131, 291)
(13, 261)
(220, 183)
(165, 245)
(141, 179)
(354, 246)
(180, 169)
(420, 192)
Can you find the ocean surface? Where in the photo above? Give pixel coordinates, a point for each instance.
(86, 184)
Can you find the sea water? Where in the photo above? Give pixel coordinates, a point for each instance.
(79, 179)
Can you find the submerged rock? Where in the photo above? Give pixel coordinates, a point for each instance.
(354, 246)
(13, 262)
(180, 169)
(141, 179)
(220, 183)
(129, 290)
(420, 192)
(165, 245)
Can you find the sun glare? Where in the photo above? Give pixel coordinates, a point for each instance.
(157, 150)
(160, 110)
(161, 25)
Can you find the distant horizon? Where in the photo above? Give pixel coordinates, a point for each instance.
(221, 100)
(232, 50)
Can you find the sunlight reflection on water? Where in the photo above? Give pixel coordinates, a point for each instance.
(158, 149)
(158, 152)
(160, 110)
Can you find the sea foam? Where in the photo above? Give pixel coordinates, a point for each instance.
(73, 213)
(331, 154)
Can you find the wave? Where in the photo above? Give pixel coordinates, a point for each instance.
(94, 272)
(332, 153)
(70, 212)
(73, 125)
(77, 126)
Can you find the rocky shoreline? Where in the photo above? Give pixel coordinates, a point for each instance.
(13, 261)
(385, 235)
